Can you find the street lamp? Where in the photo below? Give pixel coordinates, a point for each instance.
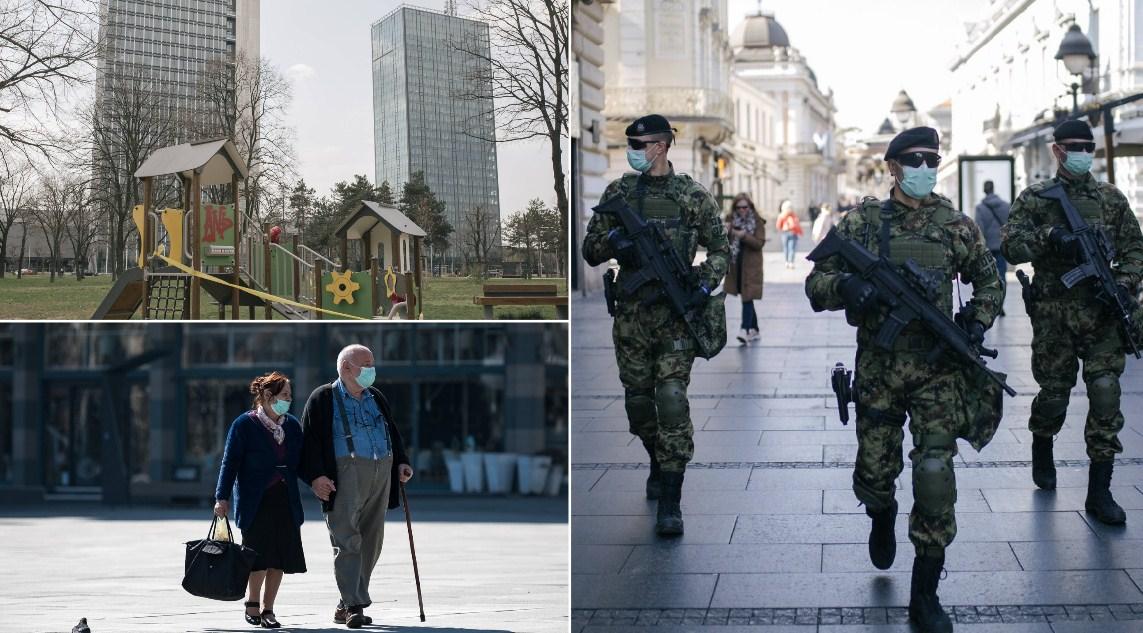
(1077, 54)
(903, 108)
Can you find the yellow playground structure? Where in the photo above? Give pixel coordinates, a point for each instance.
(211, 247)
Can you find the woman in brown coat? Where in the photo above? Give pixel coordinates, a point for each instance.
(747, 232)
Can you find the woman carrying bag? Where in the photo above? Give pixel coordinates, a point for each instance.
(747, 232)
(260, 463)
(791, 228)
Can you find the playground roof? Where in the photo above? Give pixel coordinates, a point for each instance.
(370, 214)
(216, 160)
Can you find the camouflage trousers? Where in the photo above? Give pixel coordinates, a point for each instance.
(890, 386)
(1063, 334)
(655, 353)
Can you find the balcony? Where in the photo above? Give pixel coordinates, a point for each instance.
(691, 105)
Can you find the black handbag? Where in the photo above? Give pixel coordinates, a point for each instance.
(217, 569)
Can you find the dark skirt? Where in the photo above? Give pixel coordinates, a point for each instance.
(274, 535)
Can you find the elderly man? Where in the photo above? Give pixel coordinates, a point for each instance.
(351, 453)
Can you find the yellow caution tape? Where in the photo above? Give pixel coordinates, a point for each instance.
(265, 296)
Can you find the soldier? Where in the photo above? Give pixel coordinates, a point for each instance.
(653, 348)
(1070, 325)
(920, 225)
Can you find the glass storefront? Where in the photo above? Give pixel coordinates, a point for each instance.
(75, 414)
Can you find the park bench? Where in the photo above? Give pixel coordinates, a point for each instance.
(521, 295)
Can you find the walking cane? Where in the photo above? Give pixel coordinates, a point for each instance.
(412, 549)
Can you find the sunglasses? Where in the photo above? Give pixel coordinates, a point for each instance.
(1088, 147)
(635, 143)
(916, 159)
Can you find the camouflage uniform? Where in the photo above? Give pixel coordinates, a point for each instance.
(890, 385)
(653, 349)
(1072, 325)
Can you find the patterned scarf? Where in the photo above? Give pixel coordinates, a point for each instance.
(271, 426)
(748, 224)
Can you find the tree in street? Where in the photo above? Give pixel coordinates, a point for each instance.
(528, 74)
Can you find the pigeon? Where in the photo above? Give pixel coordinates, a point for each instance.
(81, 627)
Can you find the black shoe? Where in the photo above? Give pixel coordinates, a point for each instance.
(654, 485)
(882, 540)
(924, 607)
(269, 621)
(356, 620)
(669, 520)
(1099, 500)
(1043, 464)
(341, 614)
(253, 620)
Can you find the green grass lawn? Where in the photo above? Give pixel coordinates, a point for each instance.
(35, 297)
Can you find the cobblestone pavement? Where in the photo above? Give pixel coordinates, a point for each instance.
(774, 535)
(487, 565)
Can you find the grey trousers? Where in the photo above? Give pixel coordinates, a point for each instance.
(357, 524)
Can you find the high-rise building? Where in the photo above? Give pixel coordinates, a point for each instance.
(167, 45)
(430, 112)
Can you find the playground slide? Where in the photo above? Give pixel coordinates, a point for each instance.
(224, 295)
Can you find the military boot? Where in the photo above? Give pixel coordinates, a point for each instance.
(882, 540)
(1043, 464)
(669, 520)
(654, 485)
(1099, 501)
(924, 607)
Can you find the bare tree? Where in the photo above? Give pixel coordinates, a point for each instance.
(82, 226)
(526, 69)
(57, 199)
(128, 122)
(479, 234)
(247, 101)
(15, 192)
(47, 47)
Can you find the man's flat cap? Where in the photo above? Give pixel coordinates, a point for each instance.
(913, 137)
(1074, 128)
(650, 124)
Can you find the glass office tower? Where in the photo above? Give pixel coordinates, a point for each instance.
(429, 113)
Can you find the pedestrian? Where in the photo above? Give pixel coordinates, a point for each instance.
(826, 219)
(1074, 324)
(913, 224)
(260, 464)
(653, 347)
(991, 216)
(747, 232)
(352, 457)
(791, 228)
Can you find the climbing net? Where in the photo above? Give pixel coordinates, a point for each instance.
(170, 294)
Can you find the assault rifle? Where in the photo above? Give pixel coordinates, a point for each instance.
(909, 296)
(660, 269)
(1095, 254)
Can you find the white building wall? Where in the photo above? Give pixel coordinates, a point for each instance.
(592, 161)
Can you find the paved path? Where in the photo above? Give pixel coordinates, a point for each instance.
(774, 533)
(487, 565)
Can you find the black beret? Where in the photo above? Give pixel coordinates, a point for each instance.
(650, 124)
(913, 137)
(1074, 128)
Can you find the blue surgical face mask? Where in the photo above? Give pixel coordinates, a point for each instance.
(637, 158)
(1078, 163)
(280, 407)
(366, 377)
(918, 182)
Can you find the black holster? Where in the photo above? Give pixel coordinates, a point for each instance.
(609, 290)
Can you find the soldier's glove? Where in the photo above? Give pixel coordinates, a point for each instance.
(699, 295)
(974, 328)
(1064, 242)
(1126, 296)
(858, 295)
(622, 249)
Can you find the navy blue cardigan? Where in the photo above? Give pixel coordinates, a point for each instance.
(250, 462)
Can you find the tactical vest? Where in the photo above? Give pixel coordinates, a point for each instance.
(660, 208)
(1049, 270)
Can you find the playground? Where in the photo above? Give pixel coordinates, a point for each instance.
(206, 260)
(34, 297)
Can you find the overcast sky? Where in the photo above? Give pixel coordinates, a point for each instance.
(867, 51)
(324, 47)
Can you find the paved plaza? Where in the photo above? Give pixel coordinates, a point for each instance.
(487, 565)
(774, 535)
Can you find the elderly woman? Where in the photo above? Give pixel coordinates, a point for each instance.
(260, 470)
(747, 232)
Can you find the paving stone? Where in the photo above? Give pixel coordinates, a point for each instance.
(854, 557)
(691, 628)
(1132, 531)
(584, 480)
(619, 480)
(1060, 500)
(647, 591)
(790, 479)
(760, 423)
(598, 559)
(1020, 526)
(727, 559)
(1089, 627)
(727, 438)
(634, 502)
(1082, 554)
(751, 453)
(844, 501)
(639, 530)
(827, 528)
